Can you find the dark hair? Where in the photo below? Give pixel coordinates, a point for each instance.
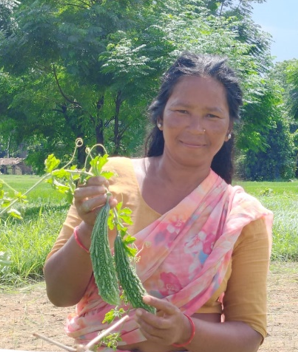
(189, 64)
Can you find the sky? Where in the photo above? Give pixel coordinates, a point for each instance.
(280, 19)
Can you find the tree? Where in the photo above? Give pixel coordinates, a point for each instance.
(292, 80)
(274, 154)
(93, 67)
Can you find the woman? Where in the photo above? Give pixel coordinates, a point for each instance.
(204, 245)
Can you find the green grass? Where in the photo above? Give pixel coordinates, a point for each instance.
(282, 199)
(27, 242)
(42, 194)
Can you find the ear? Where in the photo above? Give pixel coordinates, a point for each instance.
(228, 136)
(159, 124)
(229, 132)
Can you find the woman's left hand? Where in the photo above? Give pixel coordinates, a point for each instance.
(168, 326)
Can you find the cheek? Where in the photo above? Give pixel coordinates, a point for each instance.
(219, 127)
(173, 122)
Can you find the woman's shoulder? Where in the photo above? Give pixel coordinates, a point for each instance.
(119, 166)
(243, 198)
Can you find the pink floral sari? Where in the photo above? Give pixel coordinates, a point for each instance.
(199, 232)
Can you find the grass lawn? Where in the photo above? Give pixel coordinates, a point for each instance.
(27, 242)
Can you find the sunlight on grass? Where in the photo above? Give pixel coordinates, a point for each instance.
(28, 242)
(282, 199)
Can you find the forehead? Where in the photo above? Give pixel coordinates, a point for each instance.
(198, 84)
(199, 92)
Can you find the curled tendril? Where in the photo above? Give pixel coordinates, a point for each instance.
(79, 142)
(89, 152)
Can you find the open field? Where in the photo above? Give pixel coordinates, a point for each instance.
(27, 242)
(25, 308)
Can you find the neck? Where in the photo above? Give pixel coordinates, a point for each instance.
(177, 176)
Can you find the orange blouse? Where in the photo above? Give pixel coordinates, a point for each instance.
(245, 284)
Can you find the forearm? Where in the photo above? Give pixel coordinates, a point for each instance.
(68, 271)
(224, 337)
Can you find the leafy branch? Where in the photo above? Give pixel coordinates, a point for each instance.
(65, 180)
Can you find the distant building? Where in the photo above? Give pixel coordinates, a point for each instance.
(14, 166)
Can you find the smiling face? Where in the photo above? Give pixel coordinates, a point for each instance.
(196, 121)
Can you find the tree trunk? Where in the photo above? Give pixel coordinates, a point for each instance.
(117, 136)
(99, 127)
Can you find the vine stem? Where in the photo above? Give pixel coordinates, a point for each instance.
(67, 348)
(78, 144)
(105, 333)
(29, 190)
(8, 186)
(74, 172)
(89, 154)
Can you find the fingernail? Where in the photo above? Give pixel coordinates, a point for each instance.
(138, 313)
(146, 299)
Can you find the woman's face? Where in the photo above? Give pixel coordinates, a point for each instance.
(196, 121)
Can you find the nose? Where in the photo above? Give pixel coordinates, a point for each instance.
(197, 125)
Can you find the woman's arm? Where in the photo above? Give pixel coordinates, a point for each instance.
(67, 272)
(170, 327)
(231, 336)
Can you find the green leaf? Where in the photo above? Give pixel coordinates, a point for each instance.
(61, 173)
(60, 186)
(111, 340)
(107, 174)
(15, 214)
(109, 317)
(130, 251)
(20, 197)
(112, 314)
(51, 163)
(111, 220)
(126, 219)
(69, 196)
(129, 239)
(97, 164)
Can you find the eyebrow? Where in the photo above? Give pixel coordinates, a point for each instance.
(186, 105)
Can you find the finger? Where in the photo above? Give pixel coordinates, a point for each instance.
(152, 326)
(161, 305)
(150, 336)
(97, 181)
(81, 193)
(94, 203)
(156, 322)
(113, 202)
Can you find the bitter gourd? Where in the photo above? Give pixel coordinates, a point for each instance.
(128, 278)
(102, 259)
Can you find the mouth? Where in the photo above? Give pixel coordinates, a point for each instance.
(193, 144)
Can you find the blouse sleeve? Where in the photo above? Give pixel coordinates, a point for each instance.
(72, 220)
(245, 298)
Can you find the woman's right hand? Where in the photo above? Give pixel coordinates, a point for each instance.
(89, 198)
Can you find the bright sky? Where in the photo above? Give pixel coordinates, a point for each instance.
(280, 19)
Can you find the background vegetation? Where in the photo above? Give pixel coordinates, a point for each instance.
(89, 68)
(26, 243)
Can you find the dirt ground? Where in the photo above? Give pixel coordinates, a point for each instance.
(27, 311)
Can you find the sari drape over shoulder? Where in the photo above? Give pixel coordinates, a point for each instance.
(183, 255)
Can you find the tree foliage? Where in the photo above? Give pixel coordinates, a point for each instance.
(90, 68)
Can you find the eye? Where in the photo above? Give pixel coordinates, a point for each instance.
(182, 111)
(212, 116)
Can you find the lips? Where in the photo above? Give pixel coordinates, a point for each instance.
(193, 144)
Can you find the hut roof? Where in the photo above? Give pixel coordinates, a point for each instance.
(10, 161)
